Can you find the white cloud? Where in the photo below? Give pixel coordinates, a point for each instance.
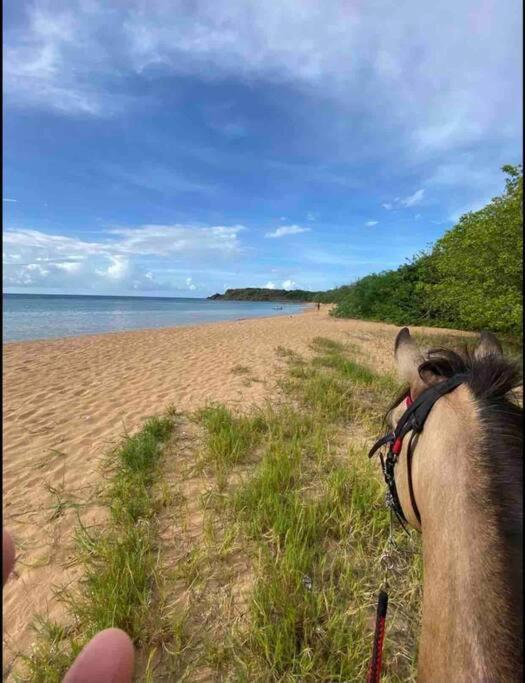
(171, 239)
(44, 67)
(37, 268)
(371, 223)
(269, 285)
(413, 199)
(6, 199)
(311, 216)
(160, 240)
(35, 258)
(465, 171)
(69, 266)
(337, 257)
(117, 270)
(473, 206)
(449, 133)
(406, 202)
(289, 284)
(287, 230)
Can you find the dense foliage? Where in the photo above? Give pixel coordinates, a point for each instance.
(333, 296)
(395, 296)
(471, 279)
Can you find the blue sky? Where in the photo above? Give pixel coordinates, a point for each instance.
(175, 148)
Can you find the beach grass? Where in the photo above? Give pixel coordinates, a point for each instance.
(118, 561)
(308, 511)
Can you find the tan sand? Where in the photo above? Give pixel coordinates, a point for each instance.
(66, 401)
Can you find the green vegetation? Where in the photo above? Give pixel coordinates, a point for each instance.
(310, 513)
(478, 268)
(118, 562)
(229, 438)
(472, 278)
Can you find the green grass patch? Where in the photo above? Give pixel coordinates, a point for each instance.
(229, 438)
(347, 368)
(314, 509)
(335, 387)
(318, 566)
(119, 561)
(326, 345)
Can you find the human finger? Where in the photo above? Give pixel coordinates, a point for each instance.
(8, 554)
(107, 658)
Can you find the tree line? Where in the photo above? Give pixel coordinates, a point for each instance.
(471, 278)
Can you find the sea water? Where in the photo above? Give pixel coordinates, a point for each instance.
(46, 316)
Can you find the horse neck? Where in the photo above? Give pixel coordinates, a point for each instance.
(470, 623)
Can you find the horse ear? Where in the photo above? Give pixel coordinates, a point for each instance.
(488, 345)
(408, 359)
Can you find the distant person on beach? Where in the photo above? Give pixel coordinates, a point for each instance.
(318, 306)
(107, 658)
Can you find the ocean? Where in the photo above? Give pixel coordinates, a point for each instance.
(47, 316)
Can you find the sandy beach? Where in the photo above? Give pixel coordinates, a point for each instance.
(67, 401)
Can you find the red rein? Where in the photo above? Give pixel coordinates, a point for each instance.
(374, 671)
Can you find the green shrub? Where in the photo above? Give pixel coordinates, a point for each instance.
(472, 279)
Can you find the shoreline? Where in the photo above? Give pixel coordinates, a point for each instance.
(306, 307)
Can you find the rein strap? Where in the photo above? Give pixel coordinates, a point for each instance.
(374, 671)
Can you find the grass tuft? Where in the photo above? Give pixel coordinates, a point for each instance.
(118, 562)
(313, 507)
(229, 438)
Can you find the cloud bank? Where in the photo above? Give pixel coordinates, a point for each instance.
(121, 260)
(77, 57)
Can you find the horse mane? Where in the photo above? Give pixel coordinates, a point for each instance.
(490, 377)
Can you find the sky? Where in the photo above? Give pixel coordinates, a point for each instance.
(175, 148)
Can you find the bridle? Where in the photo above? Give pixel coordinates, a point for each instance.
(412, 420)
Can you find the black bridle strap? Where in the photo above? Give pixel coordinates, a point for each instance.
(410, 452)
(414, 417)
(412, 420)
